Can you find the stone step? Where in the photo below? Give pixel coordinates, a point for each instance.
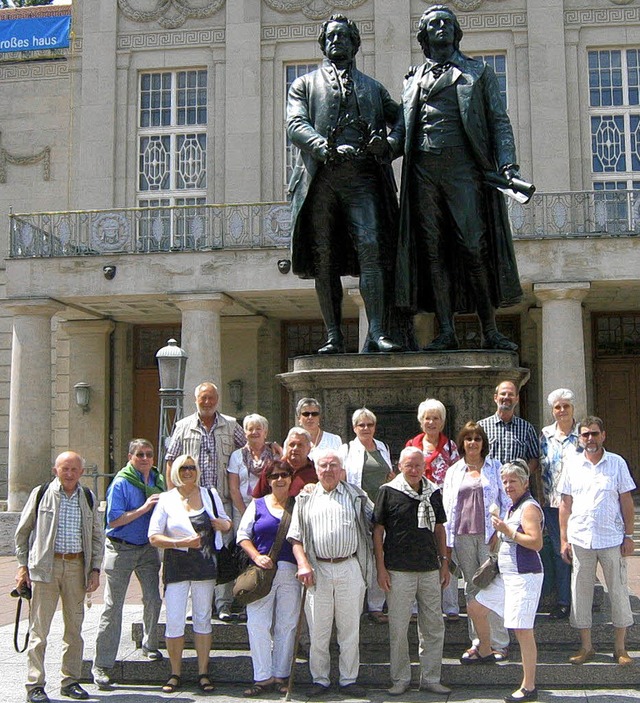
(231, 666)
(550, 634)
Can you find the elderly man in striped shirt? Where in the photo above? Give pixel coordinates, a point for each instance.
(331, 536)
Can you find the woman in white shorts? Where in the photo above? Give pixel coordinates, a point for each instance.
(515, 592)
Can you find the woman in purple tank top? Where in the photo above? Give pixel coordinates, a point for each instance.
(514, 593)
(272, 620)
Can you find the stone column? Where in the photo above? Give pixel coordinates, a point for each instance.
(201, 340)
(363, 321)
(243, 101)
(563, 363)
(30, 410)
(89, 362)
(549, 111)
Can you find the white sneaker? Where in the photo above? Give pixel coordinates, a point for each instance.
(101, 677)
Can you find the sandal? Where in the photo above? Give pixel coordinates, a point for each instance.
(204, 683)
(173, 683)
(281, 686)
(257, 689)
(473, 657)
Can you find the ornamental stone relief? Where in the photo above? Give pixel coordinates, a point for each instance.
(466, 5)
(43, 156)
(168, 13)
(313, 9)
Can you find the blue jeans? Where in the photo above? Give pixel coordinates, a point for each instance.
(561, 575)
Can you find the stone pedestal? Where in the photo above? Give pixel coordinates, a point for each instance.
(393, 385)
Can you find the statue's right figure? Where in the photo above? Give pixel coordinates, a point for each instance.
(455, 251)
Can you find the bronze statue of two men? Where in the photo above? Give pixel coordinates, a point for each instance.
(448, 248)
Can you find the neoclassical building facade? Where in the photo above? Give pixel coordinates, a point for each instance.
(145, 171)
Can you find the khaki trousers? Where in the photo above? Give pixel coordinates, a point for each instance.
(406, 588)
(68, 583)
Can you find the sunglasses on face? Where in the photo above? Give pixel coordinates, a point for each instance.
(310, 413)
(144, 455)
(586, 435)
(275, 477)
(188, 467)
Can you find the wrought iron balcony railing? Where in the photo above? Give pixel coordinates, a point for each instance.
(144, 230)
(267, 225)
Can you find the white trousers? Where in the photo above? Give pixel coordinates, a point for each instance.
(176, 596)
(271, 622)
(338, 594)
(423, 587)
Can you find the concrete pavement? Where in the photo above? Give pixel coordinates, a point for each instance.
(13, 666)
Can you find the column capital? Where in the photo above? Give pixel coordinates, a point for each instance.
(561, 291)
(46, 307)
(212, 302)
(85, 327)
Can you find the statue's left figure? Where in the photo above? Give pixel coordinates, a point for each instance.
(344, 206)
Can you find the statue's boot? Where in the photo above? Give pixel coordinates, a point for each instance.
(491, 338)
(329, 292)
(373, 295)
(447, 339)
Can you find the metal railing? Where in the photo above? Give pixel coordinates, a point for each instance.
(153, 229)
(268, 225)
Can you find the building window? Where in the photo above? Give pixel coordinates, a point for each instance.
(614, 114)
(617, 334)
(172, 155)
(498, 63)
(291, 72)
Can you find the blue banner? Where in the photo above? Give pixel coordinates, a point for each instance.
(34, 33)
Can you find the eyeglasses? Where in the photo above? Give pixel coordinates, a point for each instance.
(586, 435)
(310, 413)
(144, 455)
(365, 425)
(275, 477)
(188, 467)
(333, 465)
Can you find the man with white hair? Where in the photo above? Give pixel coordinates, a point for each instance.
(211, 437)
(331, 537)
(411, 558)
(297, 446)
(558, 444)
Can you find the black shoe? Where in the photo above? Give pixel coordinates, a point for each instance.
(560, 612)
(353, 690)
(317, 690)
(531, 695)
(443, 342)
(153, 654)
(385, 344)
(332, 346)
(495, 340)
(37, 695)
(74, 690)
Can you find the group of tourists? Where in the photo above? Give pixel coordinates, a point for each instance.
(338, 522)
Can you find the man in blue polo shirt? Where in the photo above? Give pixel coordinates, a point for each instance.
(131, 498)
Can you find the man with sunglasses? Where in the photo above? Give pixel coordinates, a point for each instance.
(131, 498)
(596, 526)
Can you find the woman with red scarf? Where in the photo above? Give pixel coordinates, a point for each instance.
(439, 454)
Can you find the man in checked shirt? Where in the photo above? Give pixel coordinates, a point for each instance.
(331, 537)
(511, 437)
(211, 437)
(59, 542)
